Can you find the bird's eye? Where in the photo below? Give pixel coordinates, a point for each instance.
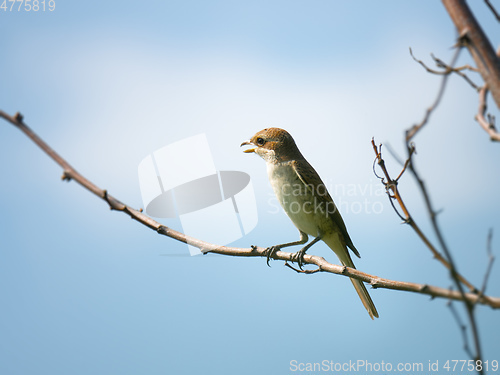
(260, 141)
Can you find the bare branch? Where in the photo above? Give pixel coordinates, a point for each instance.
(410, 133)
(455, 276)
(447, 69)
(462, 327)
(491, 259)
(476, 41)
(391, 185)
(254, 251)
(488, 126)
(493, 10)
(387, 185)
(407, 162)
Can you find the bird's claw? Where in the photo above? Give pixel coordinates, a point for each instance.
(299, 258)
(270, 252)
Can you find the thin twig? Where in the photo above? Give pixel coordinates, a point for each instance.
(391, 185)
(488, 126)
(407, 162)
(387, 186)
(491, 259)
(410, 133)
(254, 251)
(462, 327)
(448, 69)
(395, 155)
(455, 275)
(493, 10)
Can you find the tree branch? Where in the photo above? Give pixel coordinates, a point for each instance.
(462, 327)
(254, 251)
(480, 48)
(392, 185)
(493, 10)
(410, 133)
(447, 69)
(488, 126)
(447, 260)
(491, 259)
(455, 275)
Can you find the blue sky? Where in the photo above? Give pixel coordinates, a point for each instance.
(85, 290)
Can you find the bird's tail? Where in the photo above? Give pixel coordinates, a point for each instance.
(346, 260)
(365, 297)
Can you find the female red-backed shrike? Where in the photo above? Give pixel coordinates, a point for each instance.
(306, 201)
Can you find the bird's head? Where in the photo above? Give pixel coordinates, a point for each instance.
(273, 145)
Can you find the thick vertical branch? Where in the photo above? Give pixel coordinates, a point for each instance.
(477, 43)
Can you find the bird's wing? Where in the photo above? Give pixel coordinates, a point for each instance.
(315, 185)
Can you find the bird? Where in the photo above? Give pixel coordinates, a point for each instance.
(305, 199)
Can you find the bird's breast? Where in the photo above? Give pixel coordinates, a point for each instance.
(298, 200)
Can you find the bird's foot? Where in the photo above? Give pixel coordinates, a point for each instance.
(299, 257)
(270, 252)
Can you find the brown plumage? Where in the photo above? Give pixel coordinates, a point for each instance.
(306, 200)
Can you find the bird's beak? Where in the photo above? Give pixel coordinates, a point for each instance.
(248, 150)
